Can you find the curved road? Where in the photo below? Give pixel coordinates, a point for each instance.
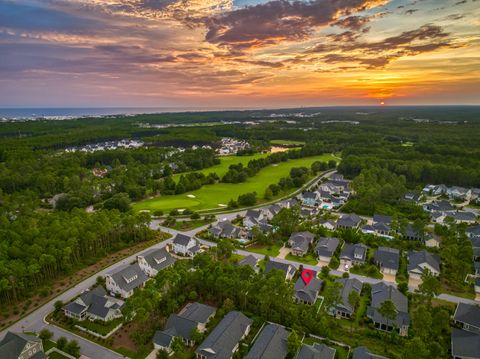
(34, 321)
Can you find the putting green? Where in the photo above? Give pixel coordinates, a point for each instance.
(213, 196)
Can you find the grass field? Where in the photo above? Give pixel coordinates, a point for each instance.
(225, 162)
(218, 195)
(286, 142)
(271, 251)
(308, 259)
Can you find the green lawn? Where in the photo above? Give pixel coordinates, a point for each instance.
(308, 259)
(100, 327)
(188, 225)
(218, 195)
(271, 251)
(225, 162)
(286, 142)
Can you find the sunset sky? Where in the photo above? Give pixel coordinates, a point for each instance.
(238, 53)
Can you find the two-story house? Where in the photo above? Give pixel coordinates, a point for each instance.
(154, 261)
(124, 281)
(185, 245)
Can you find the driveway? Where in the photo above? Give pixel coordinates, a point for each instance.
(284, 251)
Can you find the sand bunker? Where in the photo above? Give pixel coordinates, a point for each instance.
(222, 205)
(190, 196)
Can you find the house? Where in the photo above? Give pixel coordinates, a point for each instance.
(411, 233)
(353, 254)
(364, 353)
(382, 292)
(21, 346)
(467, 316)
(330, 225)
(439, 206)
(271, 211)
(380, 218)
(473, 231)
(288, 203)
(310, 198)
(315, 351)
(432, 241)
(287, 269)
(378, 229)
(185, 245)
(326, 248)
(271, 343)
(251, 261)
(349, 221)
(307, 293)
(419, 261)
(462, 217)
(344, 309)
(459, 193)
(307, 212)
(476, 266)
(466, 341)
(388, 259)
(225, 229)
(300, 242)
(412, 197)
(194, 316)
(253, 218)
(435, 190)
(126, 280)
(154, 261)
(476, 247)
(465, 344)
(94, 304)
(223, 341)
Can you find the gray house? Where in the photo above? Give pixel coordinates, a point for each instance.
(344, 308)
(315, 351)
(271, 343)
(251, 261)
(419, 261)
(353, 254)
(325, 248)
(94, 304)
(185, 245)
(154, 261)
(225, 229)
(286, 268)
(364, 353)
(307, 293)
(223, 341)
(465, 344)
(473, 231)
(194, 316)
(21, 346)
(349, 221)
(126, 280)
(300, 242)
(388, 259)
(468, 317)
(382, 292)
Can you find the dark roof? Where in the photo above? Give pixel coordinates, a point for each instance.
(88, 296)
(468, 314)
(98, 307)
(12, 345)
(312, 195)
(349, 220)
(317, 351)
(129, 277)
(158, 259)
(474, 230)
(308, 292)
(301, 240)
(382, 292)
(284, 267)
(181, 239)
(462, 215)
(250, 260)
(348, 285)
(416, 258)
(226, 335)
(387, 257)
(411, 232)
(363, 353)
(162, 339)
(326, 246)
(349, 251)
(75, 308)
(252, 213)
(178, 326)
(380, 218)
(465, 344)
(271, 343)
(198, 312)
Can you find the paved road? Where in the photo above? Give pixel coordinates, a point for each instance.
(35, 320)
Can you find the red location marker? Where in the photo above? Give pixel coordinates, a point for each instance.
(307, 275)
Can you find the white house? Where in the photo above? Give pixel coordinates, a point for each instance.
(126, 280)
(154, 261)
(185, 245)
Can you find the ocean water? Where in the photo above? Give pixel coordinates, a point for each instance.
(65, 113)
